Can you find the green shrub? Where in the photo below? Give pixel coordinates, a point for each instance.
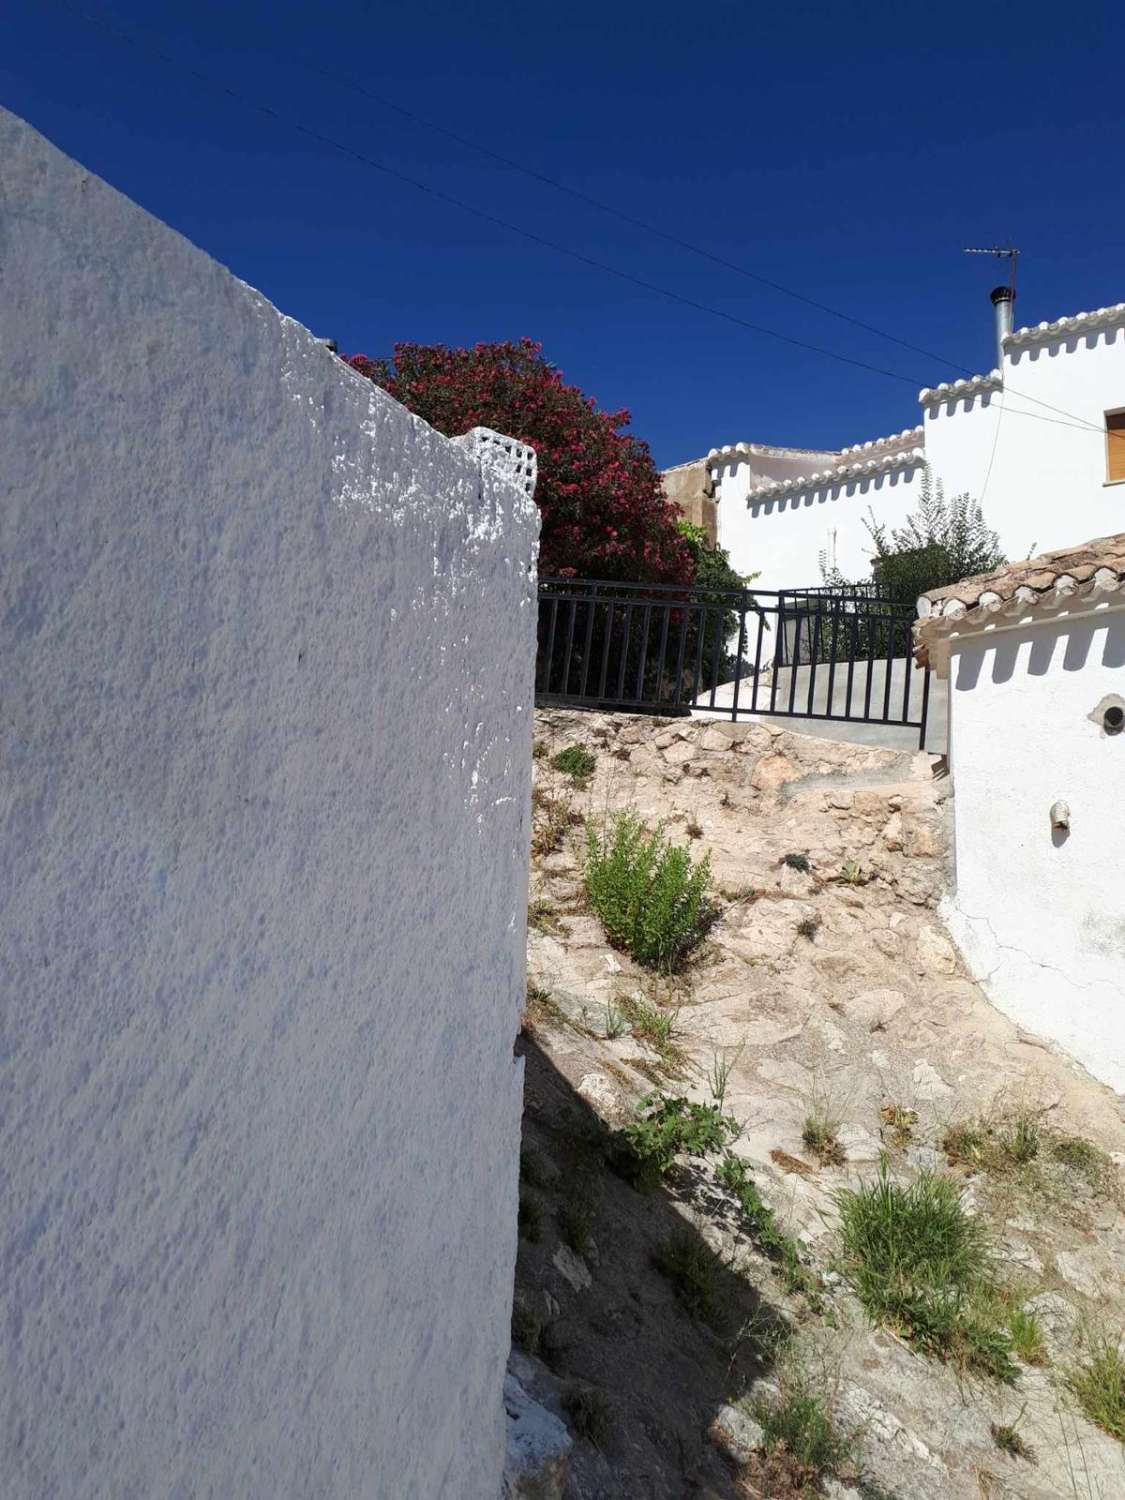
(801, 1423)
(576, 762)
(590, 1414)
(758, 1220)
(668, 1127)
(918, 1262)
(651, 899)
(797, 862)
(1099, 1383)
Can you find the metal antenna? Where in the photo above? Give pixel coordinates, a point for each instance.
(1002, 252)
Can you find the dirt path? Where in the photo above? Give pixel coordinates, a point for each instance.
(828, 989)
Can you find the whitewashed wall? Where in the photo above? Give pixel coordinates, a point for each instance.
(1040, 916)
(783, 538)
(266, 653)
(1041, 474)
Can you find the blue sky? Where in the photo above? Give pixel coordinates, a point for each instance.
(848, 151)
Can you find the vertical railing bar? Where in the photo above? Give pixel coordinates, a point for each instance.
(665, 616)
(685, 616)
(551, 641)
(610, 611)
(738, 658)
(717, 662)
(852, 643)
(569, 648)
(832, 654)
(925, 707)
(891, 623)
(624, 653)
(795, 661)
(757, 658)
(779, 626)
(907, 661)
(646, 623)
(870, 663)
(814, 659)
(588, 646)
(695, 676)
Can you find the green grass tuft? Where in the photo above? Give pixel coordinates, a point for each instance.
(919, 1263)
(802, 1424)
(590, 1414)
(576, 762)
(1098, 1381)
(690, 1268)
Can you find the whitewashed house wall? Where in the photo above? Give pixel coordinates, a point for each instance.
(1027, 440)
(1038, 909)
(266, 656)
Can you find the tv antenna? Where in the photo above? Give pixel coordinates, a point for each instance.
(1001, 252)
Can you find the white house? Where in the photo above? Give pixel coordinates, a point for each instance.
(1035, 660)
(1039, 441)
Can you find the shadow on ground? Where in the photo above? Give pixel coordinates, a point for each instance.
(613, 1337)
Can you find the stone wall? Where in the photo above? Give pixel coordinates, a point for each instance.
(267, 652)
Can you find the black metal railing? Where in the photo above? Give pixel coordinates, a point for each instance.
(836, 654)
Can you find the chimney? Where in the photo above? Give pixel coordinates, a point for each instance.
(1002, 299)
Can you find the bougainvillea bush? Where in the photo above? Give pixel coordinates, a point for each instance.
(604, 512)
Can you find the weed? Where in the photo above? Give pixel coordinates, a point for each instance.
(670, 1126)
(737, 893)
(808, 927)
(853, 873)
(541, 1009)
(694, 829)
(651, 899)
(616, 1022)
(1020, 1140)
(899, 1121)
(543, 916)
(918, 1262)
(1088, 1162)
(530, 1218)
(1027, 1337)
(801, 1424)
(590, 1414)
(651, 1024)
(690, 1267)
(1007, 1438)
(1098, 1381)
(551, 818)
(527, 1330)
(576, 1218)
(797, 862)
(819, 1135)
(721, 1068)
(576, 762)
(539, 750)
(759, 1221)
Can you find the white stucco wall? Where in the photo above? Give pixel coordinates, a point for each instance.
(1040, 916)
(783, 538)
(1042, 477)
(266, 652)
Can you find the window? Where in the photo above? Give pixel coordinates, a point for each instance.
(1115, 446)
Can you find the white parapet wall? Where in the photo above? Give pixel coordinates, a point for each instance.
(266, 655)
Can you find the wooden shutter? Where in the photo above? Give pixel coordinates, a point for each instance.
(1115, 445)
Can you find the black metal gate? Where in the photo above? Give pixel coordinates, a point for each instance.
(834, 654)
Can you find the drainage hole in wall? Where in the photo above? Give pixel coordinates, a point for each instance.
(1114, 720)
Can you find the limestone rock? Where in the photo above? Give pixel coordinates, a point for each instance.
(928, 1082)
(538, 1445)
(875, 1008)
(572, 1268)
(772, 772)
(736, 1433)
(935, 952)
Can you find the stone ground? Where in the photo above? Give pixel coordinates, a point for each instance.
(863, 1009)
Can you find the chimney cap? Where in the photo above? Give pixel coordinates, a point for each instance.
(1001, 294)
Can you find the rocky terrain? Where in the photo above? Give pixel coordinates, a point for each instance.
(828, 1013)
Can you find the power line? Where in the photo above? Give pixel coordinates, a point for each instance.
(270, 112)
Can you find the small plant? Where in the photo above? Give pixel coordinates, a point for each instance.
(527, 1330)
(616, 1022)
(670, 1126)
(1027, 1337)
(590, 1414)
(652, 1025)
(1007, 1438)
(819, 1135)
(539, 750)
(797, 862)
(801, 1424)
(576, 1220)
(1020, 1140)
(918, 1262)
(1098, 1381)
(576, 762)
(760, 1222)
(690, 1267)
(899, 1122)
(722, 1066)
(853, 873)
(652, 900)
(552, 817)
(694, 829)
(808, 927)
(1088, 1162)
(530, 1218)
(542, 915)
